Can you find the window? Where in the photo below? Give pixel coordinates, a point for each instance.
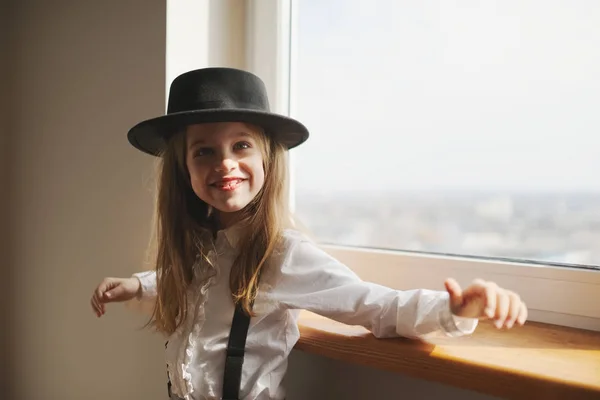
(443, 126)
(464, 127)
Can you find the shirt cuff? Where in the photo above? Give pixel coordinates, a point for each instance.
(453, 325)
(147, 284)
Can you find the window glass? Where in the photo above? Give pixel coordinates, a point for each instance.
(458, 127)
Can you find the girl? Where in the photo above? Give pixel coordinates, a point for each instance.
(231, 275)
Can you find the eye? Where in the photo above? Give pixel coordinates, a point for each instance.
(241, 146)
(202, 151)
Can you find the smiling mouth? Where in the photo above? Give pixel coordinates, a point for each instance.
(228, 185)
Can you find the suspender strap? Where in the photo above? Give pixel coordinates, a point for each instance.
(232, 376)
(168, 377)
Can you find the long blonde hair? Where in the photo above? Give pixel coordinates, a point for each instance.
(184, 230)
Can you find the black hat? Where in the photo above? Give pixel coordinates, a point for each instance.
(215, 95)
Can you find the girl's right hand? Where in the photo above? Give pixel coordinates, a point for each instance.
(114, 290)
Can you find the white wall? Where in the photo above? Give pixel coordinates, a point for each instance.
(203, 33)
(227, 28)
(83, 72)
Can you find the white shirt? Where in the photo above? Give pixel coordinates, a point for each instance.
(308, 278)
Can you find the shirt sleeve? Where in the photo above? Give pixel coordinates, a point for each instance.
(313, 280)
(148, 284)
(146, 299)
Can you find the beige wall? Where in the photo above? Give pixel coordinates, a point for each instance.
(85, 71)
(318, 378)
(5, 263)
(81, 73)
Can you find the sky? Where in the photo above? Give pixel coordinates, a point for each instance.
(486, 95)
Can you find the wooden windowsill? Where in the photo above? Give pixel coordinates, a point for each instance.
(533, 361)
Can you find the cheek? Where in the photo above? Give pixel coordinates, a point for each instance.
(258, 174)
(259, 178)
(197, 177)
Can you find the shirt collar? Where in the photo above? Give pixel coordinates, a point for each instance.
(231, 235)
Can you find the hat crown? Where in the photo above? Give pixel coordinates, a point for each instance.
(217, 88)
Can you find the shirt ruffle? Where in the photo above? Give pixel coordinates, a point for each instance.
(206, 274)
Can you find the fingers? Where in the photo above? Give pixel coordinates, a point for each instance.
(503, 306)
(522, 314)
(453, 287)
(487, 293)
(455, 292)
(98, 298)
(96, 306)
(509, 309)
(514, 309)
(113, 294)
(491, 299)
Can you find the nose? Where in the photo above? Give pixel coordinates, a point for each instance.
(225, 164)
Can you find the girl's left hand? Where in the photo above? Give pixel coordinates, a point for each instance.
(486, 300)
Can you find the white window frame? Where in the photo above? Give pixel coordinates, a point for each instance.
(554, 294)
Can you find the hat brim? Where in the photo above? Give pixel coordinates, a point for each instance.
(151, 136)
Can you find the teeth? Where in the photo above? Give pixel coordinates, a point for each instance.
(228, 183)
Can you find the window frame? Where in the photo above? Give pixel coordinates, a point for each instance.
(555, 294)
